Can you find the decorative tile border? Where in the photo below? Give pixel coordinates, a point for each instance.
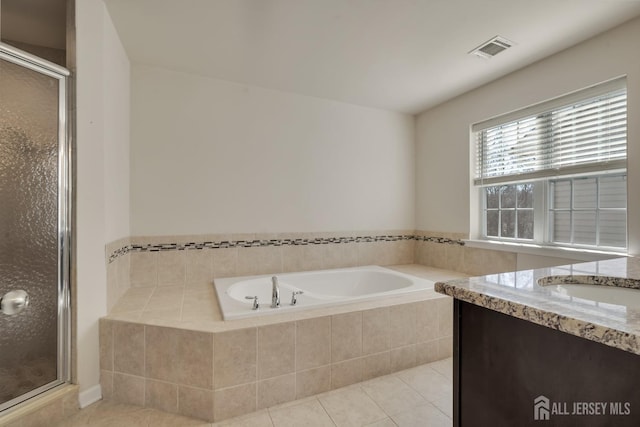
(439, 240)
(272, 242)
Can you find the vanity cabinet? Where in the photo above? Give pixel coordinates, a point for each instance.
(508, 371)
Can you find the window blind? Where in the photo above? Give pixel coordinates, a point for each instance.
(566, 136)
(589, 211)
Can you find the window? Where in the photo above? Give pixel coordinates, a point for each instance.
(509, 211)
(555, 173)
(589, 211)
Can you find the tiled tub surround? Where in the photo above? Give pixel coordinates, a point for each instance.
(447, 251)
(519, 295)
(118, 271)
(196, 260)
(186, 360)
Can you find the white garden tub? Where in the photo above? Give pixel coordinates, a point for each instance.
(319, 288)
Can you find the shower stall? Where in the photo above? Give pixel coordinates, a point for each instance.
(34, 227)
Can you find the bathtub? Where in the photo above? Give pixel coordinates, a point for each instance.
(319, 288)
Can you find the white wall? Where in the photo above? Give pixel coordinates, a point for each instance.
(102, 154)
(116, 110)
(211, 156)
(443, 199)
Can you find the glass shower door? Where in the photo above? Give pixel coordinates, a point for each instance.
(34, 244)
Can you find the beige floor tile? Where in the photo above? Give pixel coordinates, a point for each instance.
(109, 414)
(387, 422)
(417, 370)
(429, 383)
(392, 394)
(444, 367)
(351, 407)
(302, 401)
(254, 419)
(308, 414)
(162, 419)
(426, 415)
(445, 405)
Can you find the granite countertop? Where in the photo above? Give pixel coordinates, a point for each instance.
(518, 294)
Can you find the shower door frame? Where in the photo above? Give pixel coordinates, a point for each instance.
(42, 66)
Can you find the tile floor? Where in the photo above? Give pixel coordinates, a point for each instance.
(420, 397)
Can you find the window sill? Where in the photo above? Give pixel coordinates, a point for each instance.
(549, 251)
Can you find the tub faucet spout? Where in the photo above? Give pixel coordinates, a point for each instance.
(275, 293)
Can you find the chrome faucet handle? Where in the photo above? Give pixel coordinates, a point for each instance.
(255, 301)
(275, 293)
(294, 299)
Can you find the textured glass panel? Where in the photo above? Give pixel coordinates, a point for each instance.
(613, 228)
(525, 195)
(613, 192)
(508, 196)
(493, 221)
(560, 223)
(525, 224)
(28, 227)
(560, 194)
(584, 228)
(585, 193)
(508, 223)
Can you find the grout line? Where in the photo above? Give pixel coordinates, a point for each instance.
(113, 353)
(327, 412)
(295, 359)
(257, 329)
(213, 367)
(144, 365)
(270, 417)
(331, 352)
(375, 402)
(440, 410)
(182, 303)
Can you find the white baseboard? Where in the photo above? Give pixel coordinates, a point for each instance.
(89, 396)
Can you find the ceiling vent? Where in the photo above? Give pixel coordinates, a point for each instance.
(492, 47)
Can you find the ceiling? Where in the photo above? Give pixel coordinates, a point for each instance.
(400, 55)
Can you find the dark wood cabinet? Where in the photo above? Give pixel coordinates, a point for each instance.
(503, 364)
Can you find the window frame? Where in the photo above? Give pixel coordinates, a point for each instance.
(542, 206)
(537, 195)
(597, 209)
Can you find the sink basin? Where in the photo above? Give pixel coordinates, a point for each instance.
(604, 289)
(606, 294)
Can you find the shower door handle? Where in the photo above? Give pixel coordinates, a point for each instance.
(13, 302)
